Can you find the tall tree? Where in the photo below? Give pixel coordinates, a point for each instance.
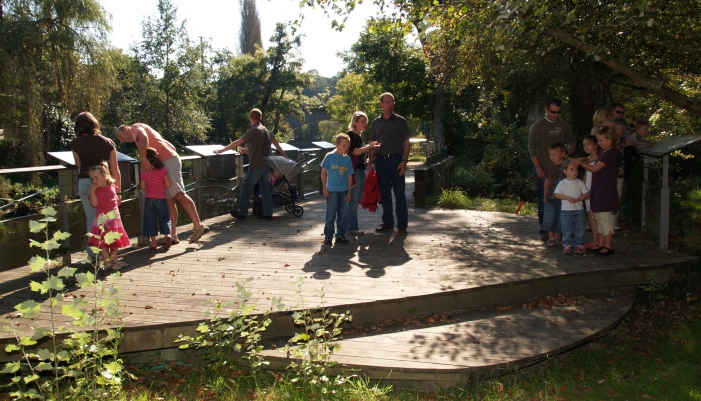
(174, 64)
(249, 33)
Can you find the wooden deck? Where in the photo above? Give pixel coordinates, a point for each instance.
(449, 260)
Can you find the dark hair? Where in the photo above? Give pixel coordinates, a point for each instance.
(642, 123)
(614, 105)
(552, 101)
(558, 145)
(153, 158)
(86, 124)
(382, 96)
(592, 139)
(620, 121)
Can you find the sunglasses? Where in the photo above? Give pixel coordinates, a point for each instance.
(620, 112)
(554, 112)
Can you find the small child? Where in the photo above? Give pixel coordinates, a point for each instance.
(336, 170)
(637, 137)
(103, 197)
(553, 175)
(603, 195)
(591, 148)
(572, 192)
(621, 127)
(156, 213)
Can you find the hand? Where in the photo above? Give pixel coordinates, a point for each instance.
(348, 196)
(577, 161)
(540, 172)
(146, 165)
(215, 151)
(573, 200)
(374, 145)
(119, 199)
(369, 167)
(326, 193)
(402, 168)
(244, 151)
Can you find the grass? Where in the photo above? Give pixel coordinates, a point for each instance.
(459, 199)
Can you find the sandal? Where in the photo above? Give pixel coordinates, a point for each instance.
(197, 234)
(175, 240)
(168, 243)
(153, 246)
(552, 242)
(591, 250)
(118, 265)
(608, 251)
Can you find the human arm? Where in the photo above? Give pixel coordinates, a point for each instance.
(142, 143)
(77, 160)
(166, 179)
(571, 199)
(233, 145)
(275, 143)
(594, 168)
(372, 145)
(371, 160)
(91, 195)
(533, 140)
(350, 187)
(143, 184)
(405, 158)
(572, 147)
(538, 169)
(116, 174)
(545, 187)
(324, 174)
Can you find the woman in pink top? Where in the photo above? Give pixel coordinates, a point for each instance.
(146, 137)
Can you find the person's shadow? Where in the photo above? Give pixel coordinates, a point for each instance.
(375, 253)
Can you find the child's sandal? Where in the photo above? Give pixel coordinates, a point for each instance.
(552, 242)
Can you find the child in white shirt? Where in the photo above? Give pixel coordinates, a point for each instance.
(572, 192)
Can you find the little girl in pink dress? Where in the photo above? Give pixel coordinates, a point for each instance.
(103, 197)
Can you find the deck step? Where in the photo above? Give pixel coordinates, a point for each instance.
(449, 348)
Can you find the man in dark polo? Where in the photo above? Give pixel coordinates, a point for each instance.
(390, 162)
(545, 131)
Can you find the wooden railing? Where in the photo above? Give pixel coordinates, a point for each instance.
(212, 197)
(430, 180)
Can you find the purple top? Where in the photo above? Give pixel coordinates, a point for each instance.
(603, 194)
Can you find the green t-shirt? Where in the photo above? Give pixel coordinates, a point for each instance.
(543, 133)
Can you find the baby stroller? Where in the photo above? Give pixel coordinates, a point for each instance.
(283, 192)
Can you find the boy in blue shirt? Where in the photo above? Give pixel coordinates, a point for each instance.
(336, 170)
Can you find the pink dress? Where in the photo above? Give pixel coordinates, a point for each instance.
(106, 202)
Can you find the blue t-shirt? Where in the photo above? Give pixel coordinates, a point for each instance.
(337, 170)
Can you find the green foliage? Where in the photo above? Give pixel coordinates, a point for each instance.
(313, 347)
(317, 131)
(241, 332)
(458, 199)
(9, 192)
(85, 365)
(354, 92)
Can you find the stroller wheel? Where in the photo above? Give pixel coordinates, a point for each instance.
(290, 208)
(257, 209)
(298, 211)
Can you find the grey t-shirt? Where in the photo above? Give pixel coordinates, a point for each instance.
(258, 140)
(543, 133)
(391, 133)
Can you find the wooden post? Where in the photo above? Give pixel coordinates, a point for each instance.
(140, 198)
(420, 185)
(66, 186)
(239, 177)
(320, 153)
(664, 204)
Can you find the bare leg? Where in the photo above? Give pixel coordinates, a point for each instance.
(189, 207)
(105, 255)
(173, 210)
(594, 229)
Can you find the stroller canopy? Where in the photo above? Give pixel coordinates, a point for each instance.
(288, 168)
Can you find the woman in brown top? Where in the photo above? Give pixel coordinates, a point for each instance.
(90, 148)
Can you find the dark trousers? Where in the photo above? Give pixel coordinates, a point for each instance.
(540, 184)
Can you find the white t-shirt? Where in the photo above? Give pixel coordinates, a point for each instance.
(573, 189)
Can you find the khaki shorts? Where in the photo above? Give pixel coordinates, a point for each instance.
(603, 223)
(175, 168)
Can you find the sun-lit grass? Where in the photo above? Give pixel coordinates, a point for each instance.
(458, 199)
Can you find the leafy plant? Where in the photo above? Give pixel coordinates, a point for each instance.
(313, 347)
(86, 364)
(239, 332)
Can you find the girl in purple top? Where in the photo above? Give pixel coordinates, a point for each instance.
(604, 195)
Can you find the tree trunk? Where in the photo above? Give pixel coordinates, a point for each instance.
(650, 84)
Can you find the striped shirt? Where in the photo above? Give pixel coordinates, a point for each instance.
(91, 150)
(155, 183)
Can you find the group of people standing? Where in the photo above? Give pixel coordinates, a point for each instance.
(564, 199)
(343, 176)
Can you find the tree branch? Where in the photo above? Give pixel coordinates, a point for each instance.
(653, 86)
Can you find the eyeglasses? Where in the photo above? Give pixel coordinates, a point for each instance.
(554, 112)
(621, 112)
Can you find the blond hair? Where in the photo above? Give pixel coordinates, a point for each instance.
(256, 114)
(602, 114)
(608, 132)
(104, 170)
(355, 118)
(342, 137)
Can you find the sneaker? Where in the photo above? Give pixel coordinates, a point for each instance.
(235, 214)
(580, 249)
(197, 234)
(567, 250)
(358, 232)
(342, 240)
(327, 241)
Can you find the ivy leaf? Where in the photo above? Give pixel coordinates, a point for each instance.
(67, 272)
(60, 235)
(203, 328)
(11, 367)
(44, 366)
(35, 226)
(26, 341)
(50, 245)
(72, 310)
(48, 211)
(41, 332)
(11, 348)
(36, 264)
(28, 308)
(31, 378)
(247, 309)
(62, 356)
(112, 236)
(45, 355)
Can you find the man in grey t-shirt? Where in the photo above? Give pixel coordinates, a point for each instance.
(390, 162)
(258, 140)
